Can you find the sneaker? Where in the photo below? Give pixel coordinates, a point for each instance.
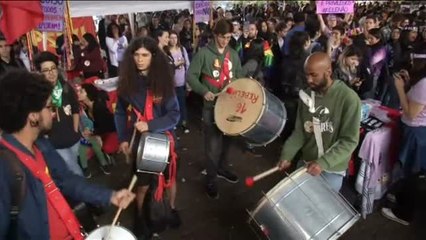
(387, 213)
(106, 169)
(185, 129)
(211, 190)
(87, 173)
(175, 220)
(228, 176)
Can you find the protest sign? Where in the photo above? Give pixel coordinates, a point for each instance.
(331, 7)
(201, 11)
(53, 16)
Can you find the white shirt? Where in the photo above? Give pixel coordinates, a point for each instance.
(116, 49)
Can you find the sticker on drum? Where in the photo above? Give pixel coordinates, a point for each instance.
(238, 112)
(117, 233)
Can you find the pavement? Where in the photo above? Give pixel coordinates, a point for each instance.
(226, 218)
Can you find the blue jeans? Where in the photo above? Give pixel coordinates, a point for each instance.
(181, 97)
(70, 156)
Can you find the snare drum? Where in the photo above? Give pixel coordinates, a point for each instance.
(153, 153)
(302, 207)
(117, 233)
(250, 111)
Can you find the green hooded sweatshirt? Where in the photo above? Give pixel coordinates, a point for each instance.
(339, 111)
(203, 64)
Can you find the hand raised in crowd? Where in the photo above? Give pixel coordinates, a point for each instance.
(122, 198)
(314, 168)
(209, 96)
(124, 148)
(141, 126)
(399, 81)
(284, 164)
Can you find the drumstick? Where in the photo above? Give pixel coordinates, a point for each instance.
(251, 180)
(132, 184)
(229, 90)
(132, 140)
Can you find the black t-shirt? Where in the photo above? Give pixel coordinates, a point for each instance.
(62, 134)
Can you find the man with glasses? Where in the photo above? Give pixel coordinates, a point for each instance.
(211, 69)
(64, 135)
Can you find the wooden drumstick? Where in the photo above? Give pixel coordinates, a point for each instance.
(114, 221)
(228, 90)
(132, 141)
(251, 180)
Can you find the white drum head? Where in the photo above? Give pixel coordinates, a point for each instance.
(117, 233)
(237, 112)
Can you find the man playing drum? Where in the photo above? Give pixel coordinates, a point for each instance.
(212, 68)
(327, 124)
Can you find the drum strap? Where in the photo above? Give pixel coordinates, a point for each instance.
(54, 197)
(148, 116)
(310, 102)
(224, 76)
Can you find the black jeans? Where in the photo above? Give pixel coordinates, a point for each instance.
(216, 146)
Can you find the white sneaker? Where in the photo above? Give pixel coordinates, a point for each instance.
(387, 213)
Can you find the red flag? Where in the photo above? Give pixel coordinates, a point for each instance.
(19, 17)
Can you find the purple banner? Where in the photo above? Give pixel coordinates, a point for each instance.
(201, 11)
(53, 16)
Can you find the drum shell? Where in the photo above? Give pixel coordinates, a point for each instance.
(302, 207)
(117, 233)
(270, 124)
(153, 153)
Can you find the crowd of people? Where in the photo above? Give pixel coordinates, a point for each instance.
(320, 65)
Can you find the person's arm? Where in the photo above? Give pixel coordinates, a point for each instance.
(411, 107)
(169, 120)
(324, 29)
(120, 118)
(297, 139)
(71, 185)
(185, 55)
(348, 137)
(194, 74)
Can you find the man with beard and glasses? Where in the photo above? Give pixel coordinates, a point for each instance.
(327, 124)
(33, 178)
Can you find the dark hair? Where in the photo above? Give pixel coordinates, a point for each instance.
(223, 27)
(94, 94)
(158, 33)
(109, 30)
(340, 29)
(299, 17)
(371, 16)
(45, 57)
(312, 27)
(160, 81)
(93, 43)
(375, 32)
(280, 27)
(297, 43)
(21, 93)
(178, 38)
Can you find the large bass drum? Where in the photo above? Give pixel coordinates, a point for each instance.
(117, 233)
(249, 110)
(302, 207)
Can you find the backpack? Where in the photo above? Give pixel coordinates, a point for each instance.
(18, 189)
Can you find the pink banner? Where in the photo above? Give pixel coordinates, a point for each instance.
(329, 7)
(201, 11)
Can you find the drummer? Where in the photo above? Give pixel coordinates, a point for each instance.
(327, 124)
(211, 69)
(29, 208)
(143, 72)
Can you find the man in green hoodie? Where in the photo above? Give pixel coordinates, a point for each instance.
(211, 69)
(327, 124)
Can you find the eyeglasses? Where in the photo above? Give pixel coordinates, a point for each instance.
(53, 69)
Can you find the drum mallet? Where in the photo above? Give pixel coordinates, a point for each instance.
(132, 140)
(229, 90)
(132, 184)
(251, 180)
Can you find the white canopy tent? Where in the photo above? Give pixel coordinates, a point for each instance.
(97, 8)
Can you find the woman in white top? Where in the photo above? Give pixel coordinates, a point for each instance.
(117, 44)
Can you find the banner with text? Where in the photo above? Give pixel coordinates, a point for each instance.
(330, 7)
(53, 16)
(201, 11)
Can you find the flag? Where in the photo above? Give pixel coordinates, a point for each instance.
(19, 17)
(269, 56)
